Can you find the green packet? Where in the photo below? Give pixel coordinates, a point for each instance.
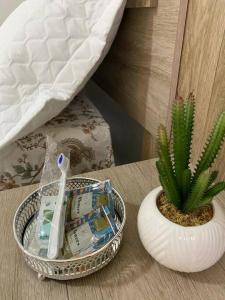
(83, 201)
(46, 212)
(91, 235)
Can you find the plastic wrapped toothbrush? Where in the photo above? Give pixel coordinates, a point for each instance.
(56, 237)
(48, 233)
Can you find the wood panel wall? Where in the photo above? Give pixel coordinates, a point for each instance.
(141, 69)
(141, 3)
(203, 68)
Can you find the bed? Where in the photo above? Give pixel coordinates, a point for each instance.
(50, 49)
(140, 73)
(80, 128)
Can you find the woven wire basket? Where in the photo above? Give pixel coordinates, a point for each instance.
(71, 268)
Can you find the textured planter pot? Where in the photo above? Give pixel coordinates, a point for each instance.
(184, 249)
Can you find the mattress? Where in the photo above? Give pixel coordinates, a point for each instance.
(80, 128)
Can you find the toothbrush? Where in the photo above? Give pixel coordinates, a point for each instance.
(56, 233)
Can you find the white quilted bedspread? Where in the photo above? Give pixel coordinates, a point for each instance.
(49, 49)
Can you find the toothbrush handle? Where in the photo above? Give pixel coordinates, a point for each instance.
(55, 236)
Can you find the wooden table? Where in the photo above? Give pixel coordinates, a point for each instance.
(132, 275)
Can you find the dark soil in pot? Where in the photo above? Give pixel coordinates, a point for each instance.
(199, 217)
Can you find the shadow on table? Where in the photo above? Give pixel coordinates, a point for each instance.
(131, 262)
(211, 276)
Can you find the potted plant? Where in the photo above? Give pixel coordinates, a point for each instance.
(179, 223)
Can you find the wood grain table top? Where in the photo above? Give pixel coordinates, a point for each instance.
(133, 274)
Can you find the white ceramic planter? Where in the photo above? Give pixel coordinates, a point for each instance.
(184, 249)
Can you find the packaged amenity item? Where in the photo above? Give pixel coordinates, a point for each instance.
(91, 235)
(56, 236)
(50, 223)
(87, 199)
(44, 225)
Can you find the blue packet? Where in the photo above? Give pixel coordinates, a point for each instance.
(91, 235)
(84, 201)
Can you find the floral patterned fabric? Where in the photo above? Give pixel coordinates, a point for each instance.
(80, 127)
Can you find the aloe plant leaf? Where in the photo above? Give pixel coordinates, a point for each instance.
(213, 191)
(168, 184)
(178, 127)
(189, 112)
(165, 167)
(186, 179)
(216, 189)
(163, 147)
(167, 190)
(198, 192)
(205, 201)
(164, 152)
(212, 147)
(213, 177)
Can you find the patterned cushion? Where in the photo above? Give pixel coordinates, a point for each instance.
(80, 127)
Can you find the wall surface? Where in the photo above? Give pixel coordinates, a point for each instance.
(6, 7)
(141, 69)
(203, 67)
(126, 133)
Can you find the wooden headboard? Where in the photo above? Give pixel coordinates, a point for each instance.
(141, 70)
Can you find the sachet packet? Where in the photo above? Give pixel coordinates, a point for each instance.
(90, 235)
(39, 245)
(83, 201)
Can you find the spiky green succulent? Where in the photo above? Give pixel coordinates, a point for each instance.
(187, 189)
